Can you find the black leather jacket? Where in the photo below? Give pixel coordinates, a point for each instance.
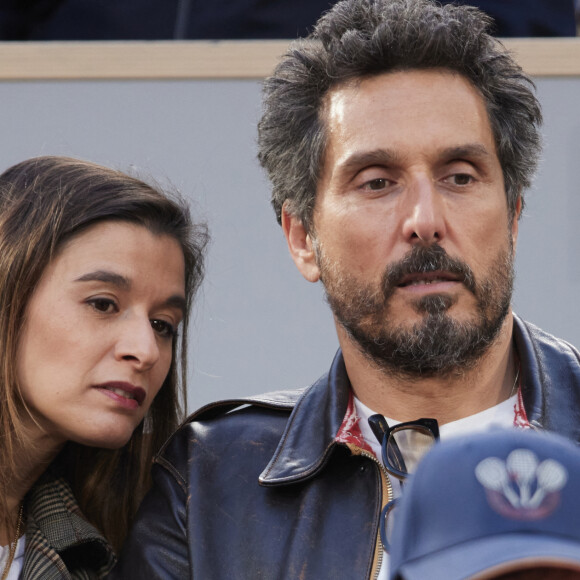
(259, 489)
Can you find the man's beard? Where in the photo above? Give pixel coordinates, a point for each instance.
(437, 345)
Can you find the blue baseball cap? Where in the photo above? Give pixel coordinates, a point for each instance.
(488, 504)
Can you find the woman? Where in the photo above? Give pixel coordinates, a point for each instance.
(97, 271)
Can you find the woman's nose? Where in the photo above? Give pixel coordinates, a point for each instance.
(138, 342)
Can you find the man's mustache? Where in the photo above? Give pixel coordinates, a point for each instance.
(425, 260)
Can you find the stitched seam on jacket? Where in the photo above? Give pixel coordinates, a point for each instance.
(162, 462)
(254, 401)
(303, 474)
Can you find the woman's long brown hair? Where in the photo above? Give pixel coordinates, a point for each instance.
(44, 202)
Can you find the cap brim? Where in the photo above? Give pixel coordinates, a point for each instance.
(523, 564)
(480, 558)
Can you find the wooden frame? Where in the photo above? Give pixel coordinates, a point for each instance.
(164, 60)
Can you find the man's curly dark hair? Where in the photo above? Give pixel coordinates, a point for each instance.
(363, 38)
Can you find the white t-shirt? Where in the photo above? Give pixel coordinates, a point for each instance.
(501, 415)
(18, 561)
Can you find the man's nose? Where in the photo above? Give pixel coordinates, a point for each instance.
(425, 215)
(138, 343)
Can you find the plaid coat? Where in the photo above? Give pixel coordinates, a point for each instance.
(60, 543)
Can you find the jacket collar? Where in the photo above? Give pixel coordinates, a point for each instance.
(550, 375)
(550, 378)
(311, 429)
(57, 530)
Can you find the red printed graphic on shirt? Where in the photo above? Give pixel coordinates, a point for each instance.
(349, 432)
(520, 416)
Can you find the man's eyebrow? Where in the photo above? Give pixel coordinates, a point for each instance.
(361, 159)
(470, 150)
(106, 276)
(388, 158)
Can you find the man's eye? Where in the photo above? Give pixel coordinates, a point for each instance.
(462, 179)
(377, 184)
(103, 304)
(163, 328)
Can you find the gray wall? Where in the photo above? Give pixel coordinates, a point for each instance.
(258, 325)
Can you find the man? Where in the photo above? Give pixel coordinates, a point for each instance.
(399, 139)
(502, 505)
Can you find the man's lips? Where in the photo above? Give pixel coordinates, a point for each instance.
(124, 391)
(426, 279)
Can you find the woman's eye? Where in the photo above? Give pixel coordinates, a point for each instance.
(103, 305)
(163, 328)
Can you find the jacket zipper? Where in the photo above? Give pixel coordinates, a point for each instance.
(389, 486)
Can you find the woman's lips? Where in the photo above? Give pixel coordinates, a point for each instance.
(126, 394)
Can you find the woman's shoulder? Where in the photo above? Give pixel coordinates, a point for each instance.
(60, 542)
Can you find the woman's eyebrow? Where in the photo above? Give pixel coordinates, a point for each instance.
(179, 302)
(106, 276)
(176, 301)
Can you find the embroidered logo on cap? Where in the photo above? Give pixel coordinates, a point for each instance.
(521, 487)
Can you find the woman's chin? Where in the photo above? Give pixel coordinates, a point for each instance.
(110, 440)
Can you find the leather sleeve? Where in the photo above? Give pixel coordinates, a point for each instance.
(157, 546)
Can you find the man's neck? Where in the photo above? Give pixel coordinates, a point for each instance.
(489, 382)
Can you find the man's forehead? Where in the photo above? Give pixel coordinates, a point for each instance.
(376, 112)
(392, 81)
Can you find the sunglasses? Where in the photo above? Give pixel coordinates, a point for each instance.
(402, 447)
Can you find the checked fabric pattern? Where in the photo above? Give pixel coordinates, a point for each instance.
(60, 543)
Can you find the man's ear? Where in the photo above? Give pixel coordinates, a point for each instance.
(300, 245)
(515, 222)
